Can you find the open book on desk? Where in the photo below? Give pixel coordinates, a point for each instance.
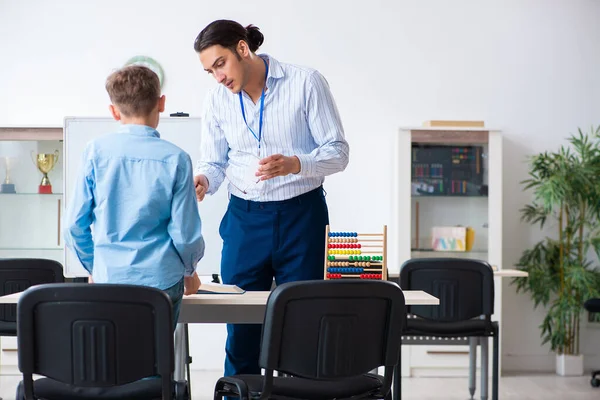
(219, 288)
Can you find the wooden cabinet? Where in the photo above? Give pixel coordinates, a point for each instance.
(30, 223)
(447, 180)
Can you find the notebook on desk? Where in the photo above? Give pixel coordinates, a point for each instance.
(219, 288)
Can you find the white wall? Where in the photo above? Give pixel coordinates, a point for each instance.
(526, 67)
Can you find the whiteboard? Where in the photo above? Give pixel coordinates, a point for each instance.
(184, 132)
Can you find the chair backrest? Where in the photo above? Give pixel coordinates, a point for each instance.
(17, 274)
(98, 335)
(464, 287)
(332, 329)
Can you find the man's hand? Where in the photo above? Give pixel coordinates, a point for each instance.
(90, 279)
(277, 165)
(201, 183)
(191, 284)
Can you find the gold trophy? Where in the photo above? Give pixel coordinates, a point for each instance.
(45, 162)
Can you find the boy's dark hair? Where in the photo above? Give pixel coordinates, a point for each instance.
(134, 89)
(228, 34)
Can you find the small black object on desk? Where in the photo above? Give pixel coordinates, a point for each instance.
(179, 114)
(215, 278)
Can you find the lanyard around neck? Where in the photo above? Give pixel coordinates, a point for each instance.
(262, 106)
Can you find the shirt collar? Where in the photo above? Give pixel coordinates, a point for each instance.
(275, 69)
(140, 130)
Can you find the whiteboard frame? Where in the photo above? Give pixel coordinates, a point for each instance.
(212, 208)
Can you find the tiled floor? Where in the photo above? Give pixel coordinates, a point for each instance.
(522, 387)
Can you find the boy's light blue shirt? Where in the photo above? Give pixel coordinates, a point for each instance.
(137, 192)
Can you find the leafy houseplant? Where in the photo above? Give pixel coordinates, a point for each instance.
(561, 268)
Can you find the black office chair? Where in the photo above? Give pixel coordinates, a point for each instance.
(593, 306)
(465, 289)
(16, 275)
(325, 336)
(96, 342)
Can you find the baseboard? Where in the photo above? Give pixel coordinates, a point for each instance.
(9, 370)
(512, 363)
(439, 373)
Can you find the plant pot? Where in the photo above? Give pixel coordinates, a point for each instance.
(569, 365)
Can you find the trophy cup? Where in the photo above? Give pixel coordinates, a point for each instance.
(7, 186)
(45, 162)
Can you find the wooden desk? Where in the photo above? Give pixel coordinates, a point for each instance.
(246, 308)
(503, 273)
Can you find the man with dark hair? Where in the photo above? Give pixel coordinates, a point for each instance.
(275, 129)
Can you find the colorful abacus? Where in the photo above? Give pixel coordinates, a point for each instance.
(346, 257)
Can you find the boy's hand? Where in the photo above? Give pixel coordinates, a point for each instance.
(201, 183)
(191, 284)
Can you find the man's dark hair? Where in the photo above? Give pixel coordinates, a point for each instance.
(228, 34)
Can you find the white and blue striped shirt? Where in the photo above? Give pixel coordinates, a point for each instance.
(299, 118)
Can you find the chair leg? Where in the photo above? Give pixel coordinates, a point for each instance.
(472, 365)
(485, 362)
(188, 361)
(396, 386)
(179, 374)
(495, 365)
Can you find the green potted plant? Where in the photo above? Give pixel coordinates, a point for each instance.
(561, 267)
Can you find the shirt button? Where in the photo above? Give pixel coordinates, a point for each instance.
(261, 207)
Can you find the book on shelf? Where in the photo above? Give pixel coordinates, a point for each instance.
(219, 288)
